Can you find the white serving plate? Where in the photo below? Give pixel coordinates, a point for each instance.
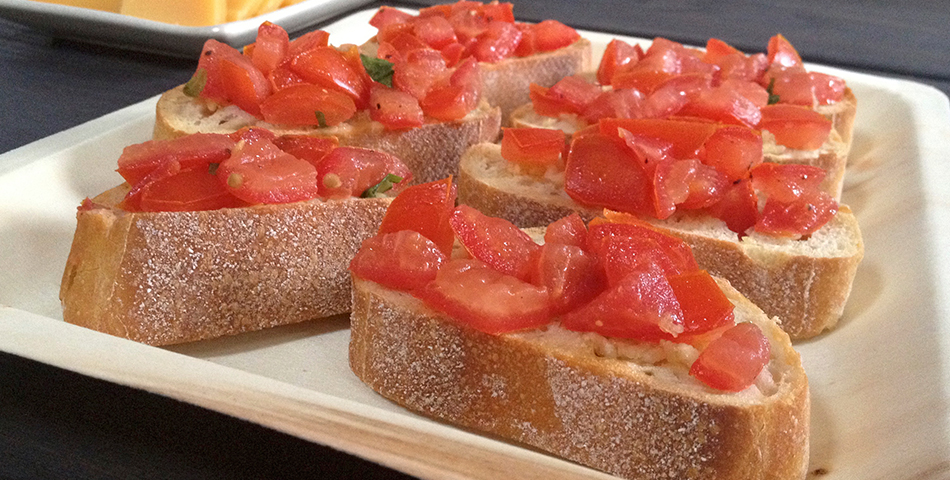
(880, 383)
(123, 31)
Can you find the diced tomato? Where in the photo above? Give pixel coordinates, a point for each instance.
(485, 299)
(569, 230)
(734, 360)
(678, 251)
(782, 53)
(738, 207)
(395, 109)
(452, 53)
(400, 38)
(601, 171)
(213, 87)
(615, 103)
(334, 70)
(198, 150)
(389, 15)
(617, 55)
(669, 97)
(307, 41)
(724, 104)
(571, 275)
(642, 306)
(527, 44)
(705, 306)
(259, 172)
(495, 241)
(755, 93)
(283, 77)
(349, 171)
(245, 86)
(795, 127)
(734, 64)
(692, 185)
(435, 31)
(170, 188)
(307, 147)
(418, 71)
(453, 98)
(550, 35)
(623, 248)
(732, 150)
(497, 43)
(786, 182)
(498, 12)
(808, 89)
(795, 205)
(574, 92)
(424, 208)
(403, 260)
(270, 48)
(686, 137)
(306, 104)
(538, 147)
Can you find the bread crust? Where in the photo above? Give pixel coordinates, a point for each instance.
(171, 277)
(431, 151)
(804, 283)
(602, 412)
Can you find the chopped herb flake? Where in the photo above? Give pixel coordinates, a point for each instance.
(197, 83)
(321, 119)
(773, 98)
(383, 186)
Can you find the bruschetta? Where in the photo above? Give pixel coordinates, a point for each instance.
(605, 345)
(215, 235)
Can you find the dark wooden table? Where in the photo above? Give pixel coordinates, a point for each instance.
(58, 424)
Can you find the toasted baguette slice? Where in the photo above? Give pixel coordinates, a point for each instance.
(431, 151)
(629, 410)
(806, 283)
(832, 157)
(171, 277)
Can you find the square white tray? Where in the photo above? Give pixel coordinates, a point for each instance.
(880, 382)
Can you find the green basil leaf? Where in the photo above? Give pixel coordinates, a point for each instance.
(378, 69)
(383, 186)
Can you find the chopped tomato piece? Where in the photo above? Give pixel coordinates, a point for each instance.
(350, 171)
(198, 150)
(574, 93)
(795, 127)
(617, 55)
(434, 31)
(724, 104)
(669, 97)
(734, 64)
(690, 184)
(551, 35)
(485, 299)
(498, 12)
(270, 47)
(334, 70)
(307, 147)
(732, 150)
(395, 109)
(678, 251)
(569, 230)
(733, 361)
(686, 137)
(786, 182)
(623, 248)
(615, 103)
(495, 241)
(803, 216)
(807, 88)
(403, 260)
(532, 146)
(389, 15)
(306, 104)
(244, 85)
(497, 43)
(453, 98)
(705, 306)
(642, 306)
(782, 53)
(259, 172)
(424, 208)
(738, 207)
(602, 171)
(307, 41)
(571, 275)
(170, 188)
(418, 71)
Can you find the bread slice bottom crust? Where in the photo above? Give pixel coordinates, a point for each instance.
(805, 283)
(172, 277)
(606, 413)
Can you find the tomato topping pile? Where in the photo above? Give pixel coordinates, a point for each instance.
(307, 82)
(770, 91)
(467, 29)
(251, 166)
(618, 277)
(654, 167)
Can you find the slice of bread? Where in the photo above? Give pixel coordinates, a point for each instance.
(832, 157)
(171, 277)
(431, 151)
(806, 283)
(627, 409)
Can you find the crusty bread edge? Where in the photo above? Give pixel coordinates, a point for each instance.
(581, 407)
(172, 277)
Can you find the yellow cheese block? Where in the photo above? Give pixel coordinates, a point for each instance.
(241, 9)
(191, 13)
(105, 5)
